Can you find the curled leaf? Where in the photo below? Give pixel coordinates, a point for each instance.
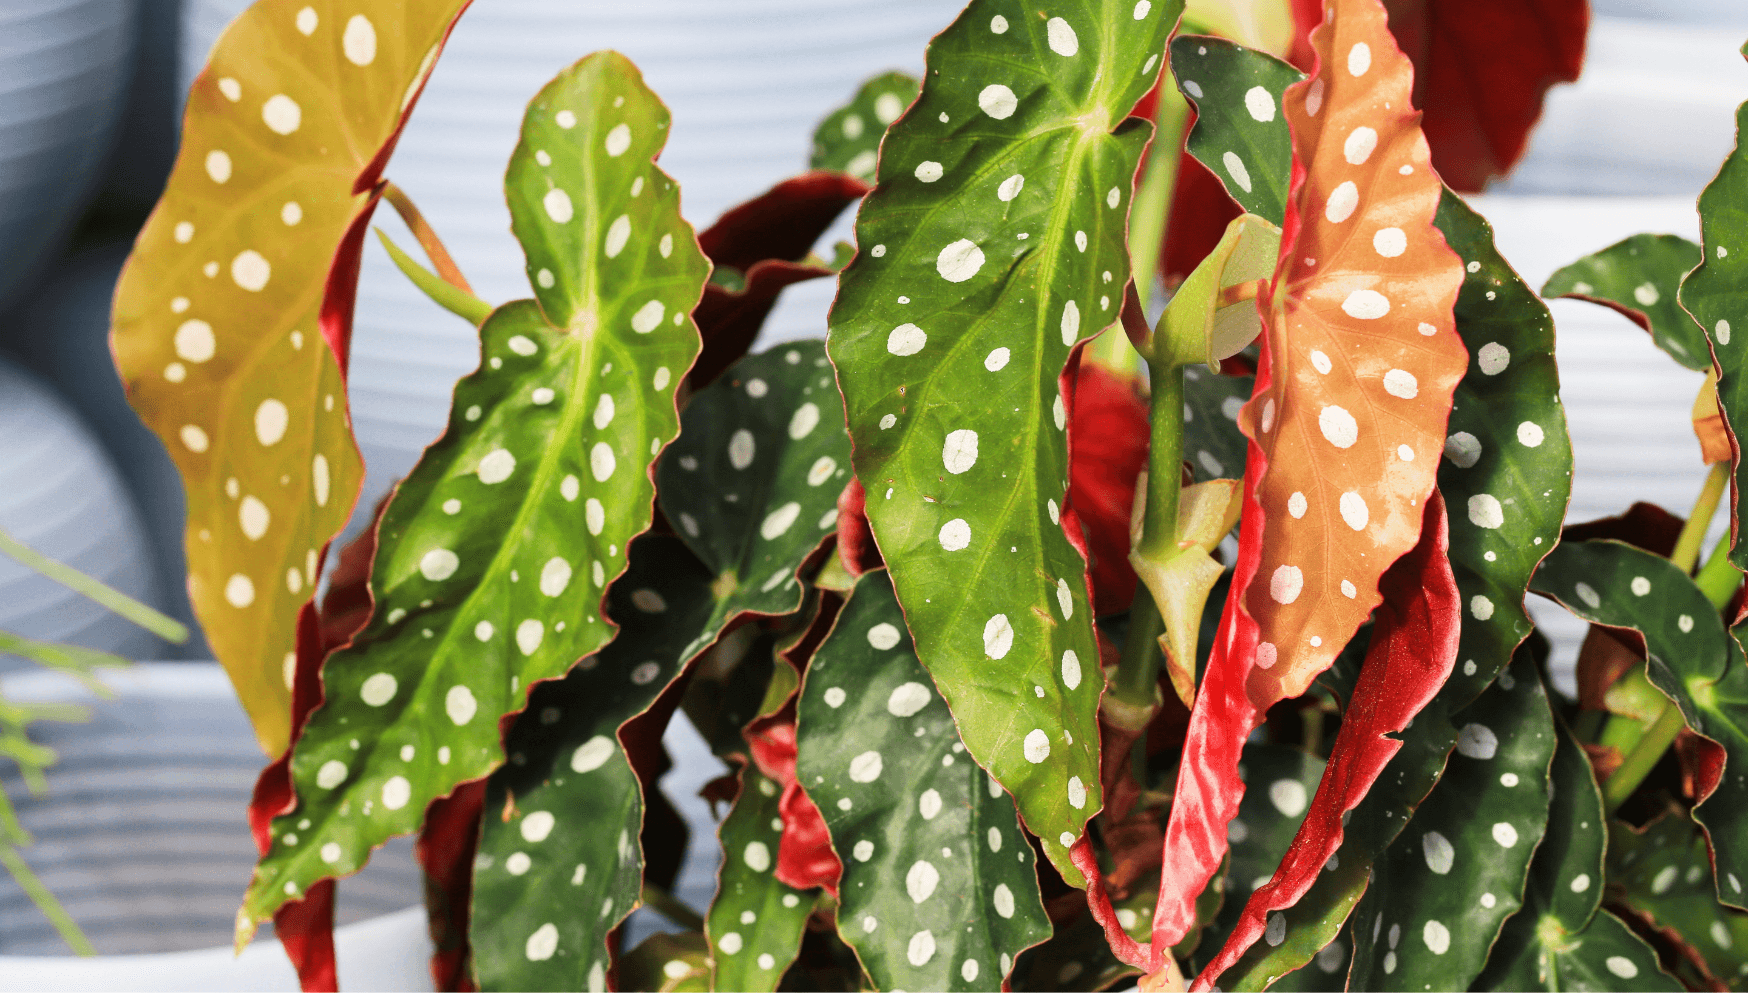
(1213, 315)
(1639, 278)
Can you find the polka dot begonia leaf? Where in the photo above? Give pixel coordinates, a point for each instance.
(848, 140)
(1214, 448)
(1692, 660)
(1640, 277)
(1444, 888)
(495, 552)
(237, 299)
(1511, 382)
(994, 243)
(755, 922)
(939, 888)
(1714, 293)
(568, 864)
(1359, 361)
(1562, 939)
(1665, 872)
(752, 484)
(1239, 132)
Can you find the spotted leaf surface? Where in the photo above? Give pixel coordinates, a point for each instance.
(848, 140)
(995, 242)
(1359, 361)
(559, 862)
(1213, 445)
(1239, 134)
(1692, 660)
(939, 891)
(1713, 294)
(1640, 277)
(752, 484)
(1666, 873)
(242, 274)
(1562, 940)
(755, 922)
(1506, 400)
(495, 552)
(1445, 887)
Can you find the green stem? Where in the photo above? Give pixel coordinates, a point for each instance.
(668, 906)
(45, 901)
(1719, 577)
(451, 298)
(1643, 758)
(111, 599)
(1693, 533)
(1137, 676)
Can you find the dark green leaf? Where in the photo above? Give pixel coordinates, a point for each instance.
(522, 512)
(1448, 882)
(939, 889)
(1239, 133)
(1666, 872)
(1507, 499)
(559, 861)
(752, 483)
(1713, 294)
(755, 922)
(849, 138)
(1639, 277)
(1691, 659)
(1213, 445)
(994, 243)
(1560, 940)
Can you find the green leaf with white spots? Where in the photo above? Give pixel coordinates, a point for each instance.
(1506, 477)
(1561, 940)
(1691, 659)
(1713, 294)
(1444, 889)
(755, 922)
(564, 867)
(1213, 445)
(495, 551)
(994, 242)
(752, 484)
(1279, 782)
(848, 140)
(1666, 874)
(1239, 132)
(939, 890)
(1639, 277)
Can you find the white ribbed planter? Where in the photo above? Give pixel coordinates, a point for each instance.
(63, 69)
(61, 495)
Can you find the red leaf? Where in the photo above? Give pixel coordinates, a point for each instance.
(1108, 449)
(766, 238)
(306, 929)
(804, 855)
(446, 847)
(1359, 360)
(856, 548)
(1414, 646)
(1200, 211)
(1482, 68)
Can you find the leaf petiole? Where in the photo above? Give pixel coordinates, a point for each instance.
(459, 302)
(111, 599)
(427, 236)
(1643, 758)
(1693, 533)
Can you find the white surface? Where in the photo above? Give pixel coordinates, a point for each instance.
(388, 953)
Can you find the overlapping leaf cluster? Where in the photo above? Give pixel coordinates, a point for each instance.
(884, 575)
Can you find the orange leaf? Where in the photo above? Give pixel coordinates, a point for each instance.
(1359, 360)
(248, 264)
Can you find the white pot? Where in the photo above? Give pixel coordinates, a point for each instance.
(61, 495)
(63, 69)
